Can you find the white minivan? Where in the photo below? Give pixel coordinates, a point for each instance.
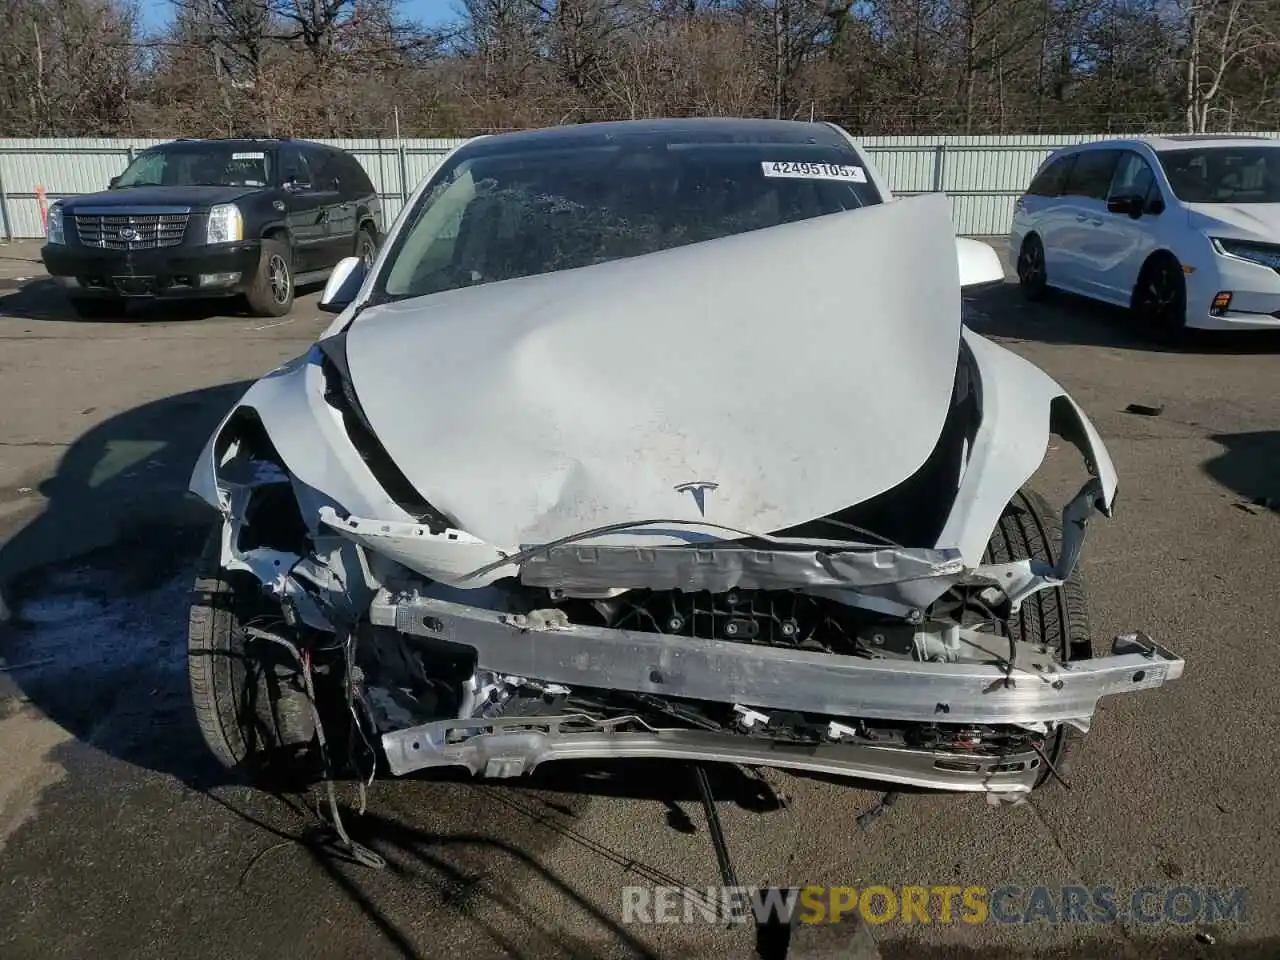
(1183, 229)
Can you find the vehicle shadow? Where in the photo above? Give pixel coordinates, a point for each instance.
(1063, 318)
(1248, 467)
(43, 299)
(98, 584)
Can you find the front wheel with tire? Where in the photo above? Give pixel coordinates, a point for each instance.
(1057, 617)
(1033, 278)
(271, 294)
(248, 695)
(366, 247)
(1160, 295)
(98, 308)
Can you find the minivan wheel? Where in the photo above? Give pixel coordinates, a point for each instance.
(1032, 276)
(271, 294)
(1160, 295)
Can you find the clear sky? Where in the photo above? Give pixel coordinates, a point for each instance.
(428, 12)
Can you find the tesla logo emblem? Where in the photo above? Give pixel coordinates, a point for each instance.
(699, 491)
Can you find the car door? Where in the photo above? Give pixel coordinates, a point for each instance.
(306, 212)
(1127, 235)
(339, 213)
(1083, 213)
(1041, 210)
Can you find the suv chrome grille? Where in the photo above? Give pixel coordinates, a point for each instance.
(131, 231)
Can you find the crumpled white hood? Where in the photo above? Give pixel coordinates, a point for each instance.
(1244, 221)
(799, 369)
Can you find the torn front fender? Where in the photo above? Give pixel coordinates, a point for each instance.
(1021, 407)
(309, 438)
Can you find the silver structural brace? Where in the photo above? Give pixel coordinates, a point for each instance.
(545, 646)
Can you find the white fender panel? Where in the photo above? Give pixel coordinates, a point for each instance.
(1018, 410)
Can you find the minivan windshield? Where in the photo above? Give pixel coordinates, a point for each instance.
(502, 214)
(1224, 174)
(204, 164)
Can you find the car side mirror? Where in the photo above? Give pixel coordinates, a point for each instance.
(979, 263)
(1131, 206)
(343, 285)
(113, 183)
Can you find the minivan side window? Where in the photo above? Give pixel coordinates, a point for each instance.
(1049, 181)
(1133, 177)
(1091, 176)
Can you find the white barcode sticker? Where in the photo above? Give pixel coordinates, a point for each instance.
(804, 170)
(248, 156)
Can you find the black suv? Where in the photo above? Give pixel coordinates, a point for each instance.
(209, 218)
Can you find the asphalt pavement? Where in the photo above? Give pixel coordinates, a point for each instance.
(119, 837)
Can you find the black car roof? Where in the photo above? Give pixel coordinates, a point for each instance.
(682, 130)
(241, 141)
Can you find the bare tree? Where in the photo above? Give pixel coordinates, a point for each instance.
(1218, 36)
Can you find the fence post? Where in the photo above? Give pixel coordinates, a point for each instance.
(44, 209)
(404, 177)
(939, 166)
(131, 154)
(4, 207)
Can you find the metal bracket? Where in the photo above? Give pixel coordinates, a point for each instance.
(1023, 578)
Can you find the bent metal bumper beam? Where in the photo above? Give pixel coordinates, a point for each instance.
(512, 746)
(1032, 692)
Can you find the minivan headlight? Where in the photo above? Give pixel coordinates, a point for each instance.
(53, 229)
(226, 225)
(1266, 254)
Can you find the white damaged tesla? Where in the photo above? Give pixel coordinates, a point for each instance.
(655, 439)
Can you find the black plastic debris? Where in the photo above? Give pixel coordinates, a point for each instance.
(1144, 409)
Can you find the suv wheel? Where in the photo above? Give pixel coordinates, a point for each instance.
(366, 247)
(98, 308)
(272, 292)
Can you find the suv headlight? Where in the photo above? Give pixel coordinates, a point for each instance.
(1266, 254)
(226, 225)
(54, 230)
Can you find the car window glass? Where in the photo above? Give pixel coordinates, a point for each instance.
(147, 169)
(191, 164)
(523, 213)
(1091, 174)
(293, 166)
(1224, 174)
(1049, 181)
(324, 173)
(356, 180)
(1133, 177)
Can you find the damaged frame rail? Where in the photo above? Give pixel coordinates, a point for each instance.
(1032, 691)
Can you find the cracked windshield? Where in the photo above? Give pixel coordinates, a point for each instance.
(507, 216)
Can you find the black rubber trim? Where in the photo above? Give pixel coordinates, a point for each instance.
(914, 511)
(340, 393)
